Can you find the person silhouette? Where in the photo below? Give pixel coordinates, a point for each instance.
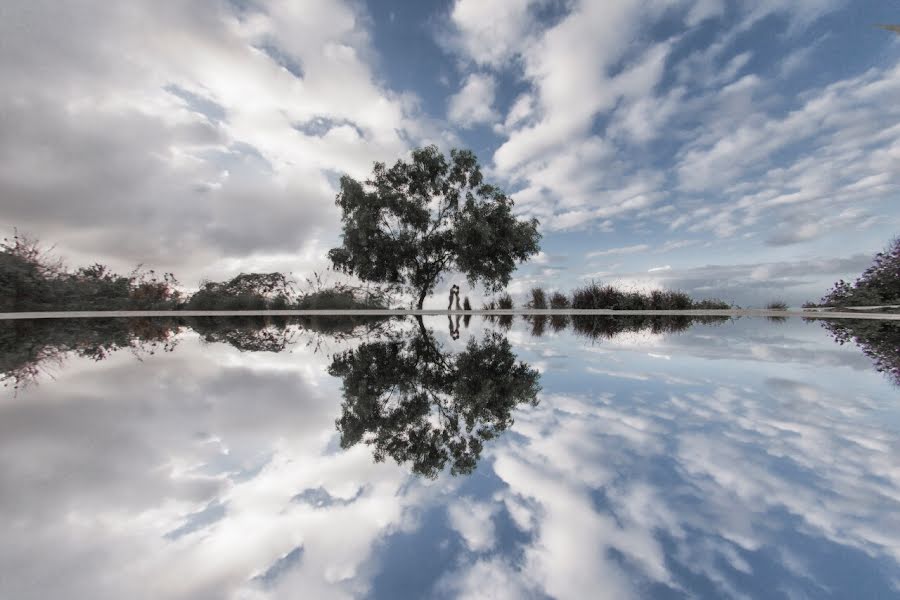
(454, 291)
(454, 327)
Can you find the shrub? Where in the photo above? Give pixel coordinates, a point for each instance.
(538, 298)
(711, 304)
(777, 305)
(595, 295)
(466, 304)
(879, 284)
(559, 300)
(505, 301)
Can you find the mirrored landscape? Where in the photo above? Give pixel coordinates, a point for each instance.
(450, 457)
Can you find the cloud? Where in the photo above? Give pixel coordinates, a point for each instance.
(617, 251)
(473, 522)
(656, 269)
(197, 130)
(199, 492)
(491, 32)
(751, 283)
(473, 104)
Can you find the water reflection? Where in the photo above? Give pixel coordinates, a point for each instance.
(413, 401)
(738, 459)
(29, 349)
(879, 340)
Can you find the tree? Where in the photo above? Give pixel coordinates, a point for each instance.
(410, 223)
(879, 284)
(253, 291)
(410, 400)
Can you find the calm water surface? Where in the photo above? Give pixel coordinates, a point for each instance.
(619, 459)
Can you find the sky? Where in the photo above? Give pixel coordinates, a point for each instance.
(747, 150)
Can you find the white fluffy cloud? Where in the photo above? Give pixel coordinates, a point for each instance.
(474, 103)
(742, 155)
(213, 128)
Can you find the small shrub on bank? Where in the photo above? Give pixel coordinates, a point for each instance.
(594, 296)
(777, 305)
(466, 304)
(538, 298)
(559, 300)
(505, 301)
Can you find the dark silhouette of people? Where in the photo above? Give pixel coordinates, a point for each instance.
(454, 327)
(454, 293)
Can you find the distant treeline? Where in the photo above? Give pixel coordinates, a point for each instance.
(32, 280)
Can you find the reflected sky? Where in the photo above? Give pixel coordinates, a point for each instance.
(743, 459)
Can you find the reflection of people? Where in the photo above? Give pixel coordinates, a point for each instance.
(454, 327)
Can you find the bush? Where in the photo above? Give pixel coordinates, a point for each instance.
(879, 284)
(505, 301)
(596, 296)
(538, 298)
(466, 305)
(777, 305)
(559, 300)
(31, 279)
(711, 304)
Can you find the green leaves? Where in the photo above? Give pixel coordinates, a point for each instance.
(411, 222)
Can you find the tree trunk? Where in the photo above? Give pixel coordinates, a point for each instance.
(422, 295)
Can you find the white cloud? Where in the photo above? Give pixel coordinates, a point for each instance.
(141, 137)
(473, 521)
(491, 32)
(473, 104)
(622, 250)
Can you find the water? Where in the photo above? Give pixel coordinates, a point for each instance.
(620, 459)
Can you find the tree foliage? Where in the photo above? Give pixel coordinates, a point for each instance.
(410, 223)
(879, 284)
(879, 340)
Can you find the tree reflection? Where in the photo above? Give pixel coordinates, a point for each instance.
(410, 400)
(879, 340)
(29, 348)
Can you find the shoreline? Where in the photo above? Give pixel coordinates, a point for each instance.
(748, 312)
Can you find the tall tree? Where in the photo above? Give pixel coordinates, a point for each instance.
(410, 223)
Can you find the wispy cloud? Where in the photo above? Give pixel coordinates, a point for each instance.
(622, 250)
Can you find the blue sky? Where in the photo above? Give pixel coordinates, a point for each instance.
(745, 150)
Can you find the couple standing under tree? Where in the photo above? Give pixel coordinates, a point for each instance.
(454, 292)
